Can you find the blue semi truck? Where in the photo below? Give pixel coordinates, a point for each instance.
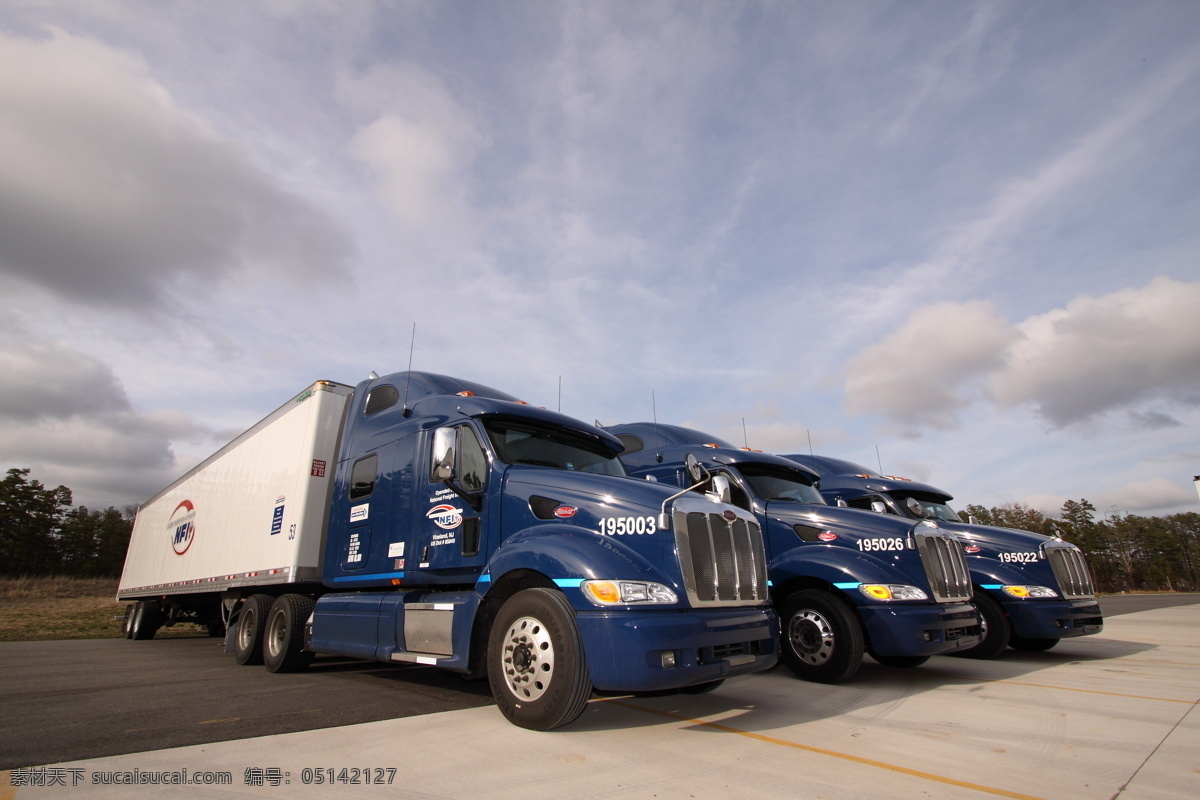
(418, 518)
(1031, 590)
(843, 581)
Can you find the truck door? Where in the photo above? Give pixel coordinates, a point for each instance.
(451, 528)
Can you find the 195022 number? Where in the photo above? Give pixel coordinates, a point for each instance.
(1019, 558)
(881, 543)
(627, 526)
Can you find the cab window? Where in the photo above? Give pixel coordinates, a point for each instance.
(362, 477)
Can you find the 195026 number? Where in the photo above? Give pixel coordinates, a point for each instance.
(627, 526)
(881, 544)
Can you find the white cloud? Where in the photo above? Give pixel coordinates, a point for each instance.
(109, 191)
(1104, 353)
(65, 416)
(921, 373)
(419, 146)
(1118, 352)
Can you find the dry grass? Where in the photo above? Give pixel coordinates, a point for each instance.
(65, 608)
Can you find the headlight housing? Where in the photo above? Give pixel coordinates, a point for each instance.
(1029, 591)
(613, 593)
(892, 591)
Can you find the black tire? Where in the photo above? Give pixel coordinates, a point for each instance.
(248, 638)
(283, 635)
(900, 662)
(702, 688)
(127, 622)
(145, 620)
(997, 630)
(536, 664)
(1032, 645)
(820, 638)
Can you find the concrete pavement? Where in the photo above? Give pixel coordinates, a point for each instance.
(1111, 715)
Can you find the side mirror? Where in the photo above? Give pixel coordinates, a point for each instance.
(720, 488)
(914, 505)
(693, 467)
(443, 453)
(879, 507)
(842, 503)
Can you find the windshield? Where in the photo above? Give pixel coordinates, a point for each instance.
(780, 483)
(935, 509)
(526, 443)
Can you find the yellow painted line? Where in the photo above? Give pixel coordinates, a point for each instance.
(1061, 688)
(831, 753)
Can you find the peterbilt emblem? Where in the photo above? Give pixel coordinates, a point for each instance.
(562, 512)
(971, 548)
(728, 515)
(826, 536)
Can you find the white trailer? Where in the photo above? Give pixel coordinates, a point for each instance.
(252, 514)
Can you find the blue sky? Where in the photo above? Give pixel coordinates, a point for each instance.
(966, 234)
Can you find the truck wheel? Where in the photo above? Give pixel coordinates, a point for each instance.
(997, 630)
(1032, 645)
(247, 644)
(536, 664)
(900, 662)
(283, 640)
(146, 620)
(822, 640)
(127, 622)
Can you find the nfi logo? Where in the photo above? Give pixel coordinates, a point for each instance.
(182, 527)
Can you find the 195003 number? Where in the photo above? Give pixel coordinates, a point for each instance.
(627, 526)
(881, 544)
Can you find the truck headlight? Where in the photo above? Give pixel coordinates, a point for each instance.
(1030, 591)
(608, 593)
(892, 591)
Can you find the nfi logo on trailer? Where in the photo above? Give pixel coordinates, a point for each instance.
(182, 527)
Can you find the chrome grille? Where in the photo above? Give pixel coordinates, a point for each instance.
(1070, 570)
(945, 565)
(723, 561)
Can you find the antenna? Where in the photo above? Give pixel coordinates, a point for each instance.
(745, 437)
(880, 460)
(408, 377)
(810, 452)
(657, 441)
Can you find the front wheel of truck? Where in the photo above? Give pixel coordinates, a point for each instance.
(822, 640)
(536, 664)
(997, 630)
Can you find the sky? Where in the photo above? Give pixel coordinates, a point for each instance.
(956, 240)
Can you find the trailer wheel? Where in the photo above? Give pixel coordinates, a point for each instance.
(145, 620)
(997, 630)
(536, 664)
(900, 662)
(821, 639)
(248, 643)
(283, 640)
(1032, 645)
(127, 622)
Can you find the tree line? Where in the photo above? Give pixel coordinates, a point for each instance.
(1125, 552)
(42, 534)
